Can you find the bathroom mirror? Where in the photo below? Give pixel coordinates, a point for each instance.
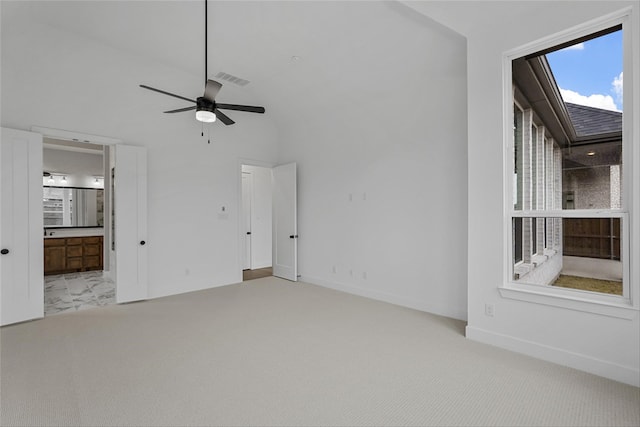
(73, 207)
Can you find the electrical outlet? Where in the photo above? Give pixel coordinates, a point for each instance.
(333, 270)
(489, 310)
(364, 275)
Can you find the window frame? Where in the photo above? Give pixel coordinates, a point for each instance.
(627, 305)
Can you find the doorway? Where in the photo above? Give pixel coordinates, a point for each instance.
(256, 221)
(21, 220)
(75, 209)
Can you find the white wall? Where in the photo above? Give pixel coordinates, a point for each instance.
(80, 168)
(83, 86)
(600, 344)
(261, 214)
(382, 168)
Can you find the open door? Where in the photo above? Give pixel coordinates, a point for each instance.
(246, 220)
(21, 227)
(130, 220)
(285, 225)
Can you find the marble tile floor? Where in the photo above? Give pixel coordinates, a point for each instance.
(77, 291)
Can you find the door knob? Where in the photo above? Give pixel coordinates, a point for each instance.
(4, 251)
(293, 236)
(248, 232)
(142, 243)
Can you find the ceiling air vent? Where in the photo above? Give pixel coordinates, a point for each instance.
(232, 79)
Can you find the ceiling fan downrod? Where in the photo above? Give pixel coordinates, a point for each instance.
(205, 42)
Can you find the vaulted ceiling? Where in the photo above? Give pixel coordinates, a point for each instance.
(300, 57)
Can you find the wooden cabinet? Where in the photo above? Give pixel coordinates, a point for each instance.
(55, 254)
(71, 254)
(74, 254)
(92, 253)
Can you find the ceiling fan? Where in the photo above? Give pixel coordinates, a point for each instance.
(207, 109)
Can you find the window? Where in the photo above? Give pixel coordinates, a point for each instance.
(568, 201)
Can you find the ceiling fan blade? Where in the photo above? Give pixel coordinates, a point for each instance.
(247, 108)
(180, 110)
(167, 93)
(224, 118)
(211, 90)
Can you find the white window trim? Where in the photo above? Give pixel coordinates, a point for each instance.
(628, 305)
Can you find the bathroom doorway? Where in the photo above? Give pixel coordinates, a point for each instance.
(125, 253)
(76, 206)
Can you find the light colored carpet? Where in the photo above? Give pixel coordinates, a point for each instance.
(272, 352)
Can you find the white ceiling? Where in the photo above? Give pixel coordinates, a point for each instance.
(345, 48)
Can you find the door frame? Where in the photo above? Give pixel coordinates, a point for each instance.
(106, 142)
(141, 292)
(240, 232)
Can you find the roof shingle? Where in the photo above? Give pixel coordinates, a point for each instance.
(590, 121)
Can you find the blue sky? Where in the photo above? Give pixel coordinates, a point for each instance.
(590, 73)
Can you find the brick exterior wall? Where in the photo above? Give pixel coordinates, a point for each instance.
(541, 188)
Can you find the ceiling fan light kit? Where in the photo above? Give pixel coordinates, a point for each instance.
(207, 109)
(205, 116)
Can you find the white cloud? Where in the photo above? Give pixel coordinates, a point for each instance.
(604, 102)
(616, 85)
(579, 46)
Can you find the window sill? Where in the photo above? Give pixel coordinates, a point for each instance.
(604, 305)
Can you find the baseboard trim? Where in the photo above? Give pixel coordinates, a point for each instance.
(623, 374)
(384, 297)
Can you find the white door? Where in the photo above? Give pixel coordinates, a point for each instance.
(21, 227)
(130, 219)
(285, 227)
(247, 188)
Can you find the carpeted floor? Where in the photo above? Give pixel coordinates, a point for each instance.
(272, 352)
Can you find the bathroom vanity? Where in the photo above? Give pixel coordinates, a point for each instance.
(72, 254)
(73, 229)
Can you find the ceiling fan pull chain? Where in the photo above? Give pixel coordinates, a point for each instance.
(208, 135)
(202, 130)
